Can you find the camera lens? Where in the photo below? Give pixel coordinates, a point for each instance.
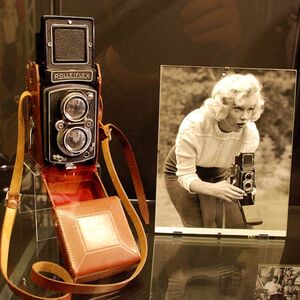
(249, 175)
(74, 141)
(247, 185)
(75, 106)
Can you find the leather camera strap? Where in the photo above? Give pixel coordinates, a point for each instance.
(12, 202)
(108, 129)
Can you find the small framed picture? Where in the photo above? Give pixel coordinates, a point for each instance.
(277, 282)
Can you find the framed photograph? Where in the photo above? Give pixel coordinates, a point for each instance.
(277, 282)
(225, 149)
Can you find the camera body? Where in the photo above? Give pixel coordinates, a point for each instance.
(65, 84)
(242, 175)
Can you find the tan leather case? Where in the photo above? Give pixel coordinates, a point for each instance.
(95, 238)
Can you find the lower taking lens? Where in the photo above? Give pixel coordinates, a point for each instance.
(75, 140)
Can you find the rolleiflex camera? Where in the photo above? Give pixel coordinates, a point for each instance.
(242, 175)
(66, 84)
(63, 127)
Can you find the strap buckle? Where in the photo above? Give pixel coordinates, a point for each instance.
(12, 200)
(106, 131)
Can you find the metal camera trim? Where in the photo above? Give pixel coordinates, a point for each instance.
(67, 98)
(61, 124)
(247, 179)
(248, 182)
(50, 42)
(249, 175)
(62, 144)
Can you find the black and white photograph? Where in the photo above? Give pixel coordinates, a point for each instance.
(225, 148)
(280, 282)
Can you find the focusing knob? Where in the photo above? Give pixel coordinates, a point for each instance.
(89, 123)
(60, 125)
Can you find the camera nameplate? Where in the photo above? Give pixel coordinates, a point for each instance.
(78, 75)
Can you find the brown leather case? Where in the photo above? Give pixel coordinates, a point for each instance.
(95, 238)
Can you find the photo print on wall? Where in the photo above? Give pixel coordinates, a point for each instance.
(225, 149)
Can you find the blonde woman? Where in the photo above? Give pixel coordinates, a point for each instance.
(207, 142)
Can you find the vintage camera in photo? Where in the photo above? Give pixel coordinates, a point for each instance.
(243, 176)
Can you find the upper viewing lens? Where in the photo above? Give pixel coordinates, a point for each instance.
(75, 107)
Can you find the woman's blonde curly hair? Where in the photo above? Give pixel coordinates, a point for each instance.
(234, 89)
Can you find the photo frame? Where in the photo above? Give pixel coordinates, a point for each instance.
(282, 281)
(184, 89)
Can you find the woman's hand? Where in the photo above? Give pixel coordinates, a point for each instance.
(223, 190)
(227, 191)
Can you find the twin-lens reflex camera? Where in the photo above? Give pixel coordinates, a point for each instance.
(65, 84)
(242, 175)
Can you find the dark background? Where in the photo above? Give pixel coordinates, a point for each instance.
(133, 38)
